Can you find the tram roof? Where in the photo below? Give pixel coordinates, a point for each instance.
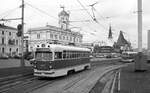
(55, 47)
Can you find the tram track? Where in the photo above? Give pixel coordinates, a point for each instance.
(75, 84)
(5, 81)
(29, 83)
(12, 85)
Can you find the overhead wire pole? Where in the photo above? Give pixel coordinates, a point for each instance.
(22, 30)
(22, 36)
(85, 9)
(92, 8)
(139, 25)
(140, 60)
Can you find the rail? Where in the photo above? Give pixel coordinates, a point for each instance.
(109, 82)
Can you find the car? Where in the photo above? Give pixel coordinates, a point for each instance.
(17, 56)
(28, 55)
(4, 56)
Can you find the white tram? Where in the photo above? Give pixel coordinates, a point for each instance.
(52, 60)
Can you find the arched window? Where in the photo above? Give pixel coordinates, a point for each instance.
(3, 50)
(10, 50)
(17, 50)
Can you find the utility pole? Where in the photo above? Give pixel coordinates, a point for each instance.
(22, 36)
(22, 30)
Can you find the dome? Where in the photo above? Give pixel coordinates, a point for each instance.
(63, 13)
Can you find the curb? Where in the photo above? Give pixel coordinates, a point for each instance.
(103, 74)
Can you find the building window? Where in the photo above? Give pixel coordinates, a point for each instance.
(56, 36)
(51, 36)
(3, 50)
(70, 38)
(64, 38)
(10, 33)
(16, 42)
(17, 50)
(67, 38)
(2, 32)
(3, 41)
(60, 37)
(10, 50)
(80, 40)
(38, 36)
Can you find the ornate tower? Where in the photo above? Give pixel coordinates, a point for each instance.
(63, 19)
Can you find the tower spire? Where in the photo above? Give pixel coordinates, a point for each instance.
(110, 33)
(63, 19)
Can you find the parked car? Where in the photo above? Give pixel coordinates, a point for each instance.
(17, 56)
(4, 56)
(28, 55)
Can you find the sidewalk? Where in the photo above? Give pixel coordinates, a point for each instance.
(9, 63)
(134, 82)
(11, 68)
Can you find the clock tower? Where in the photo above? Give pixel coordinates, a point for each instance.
(63, 19)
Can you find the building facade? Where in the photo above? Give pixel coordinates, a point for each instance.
(10, 43)
(26, 44)
(52, 34)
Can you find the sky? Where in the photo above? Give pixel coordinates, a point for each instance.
(120, 14)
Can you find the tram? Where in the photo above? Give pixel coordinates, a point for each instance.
(53, 60)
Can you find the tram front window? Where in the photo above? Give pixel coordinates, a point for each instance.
(43, 56)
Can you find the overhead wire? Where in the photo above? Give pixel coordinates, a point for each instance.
(7, 13)
(53, 16)
(41, 11)
(91, 15)
(85, 9)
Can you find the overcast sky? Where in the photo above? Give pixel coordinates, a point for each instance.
(121, 14)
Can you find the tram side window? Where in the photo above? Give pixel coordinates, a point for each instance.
(67, 54)
(64, 55)
(71, 54)
(58, 55)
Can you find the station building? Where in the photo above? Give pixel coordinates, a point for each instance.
(52, 34)
(10, 43)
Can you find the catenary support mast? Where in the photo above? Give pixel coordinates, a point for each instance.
(22, 36)
(139, 25)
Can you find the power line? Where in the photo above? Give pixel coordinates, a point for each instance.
(7, 13)
(90, 14)
(41, 11)
(85, 9)
(77, 10)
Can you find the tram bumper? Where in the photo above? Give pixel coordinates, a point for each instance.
(44, 73)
